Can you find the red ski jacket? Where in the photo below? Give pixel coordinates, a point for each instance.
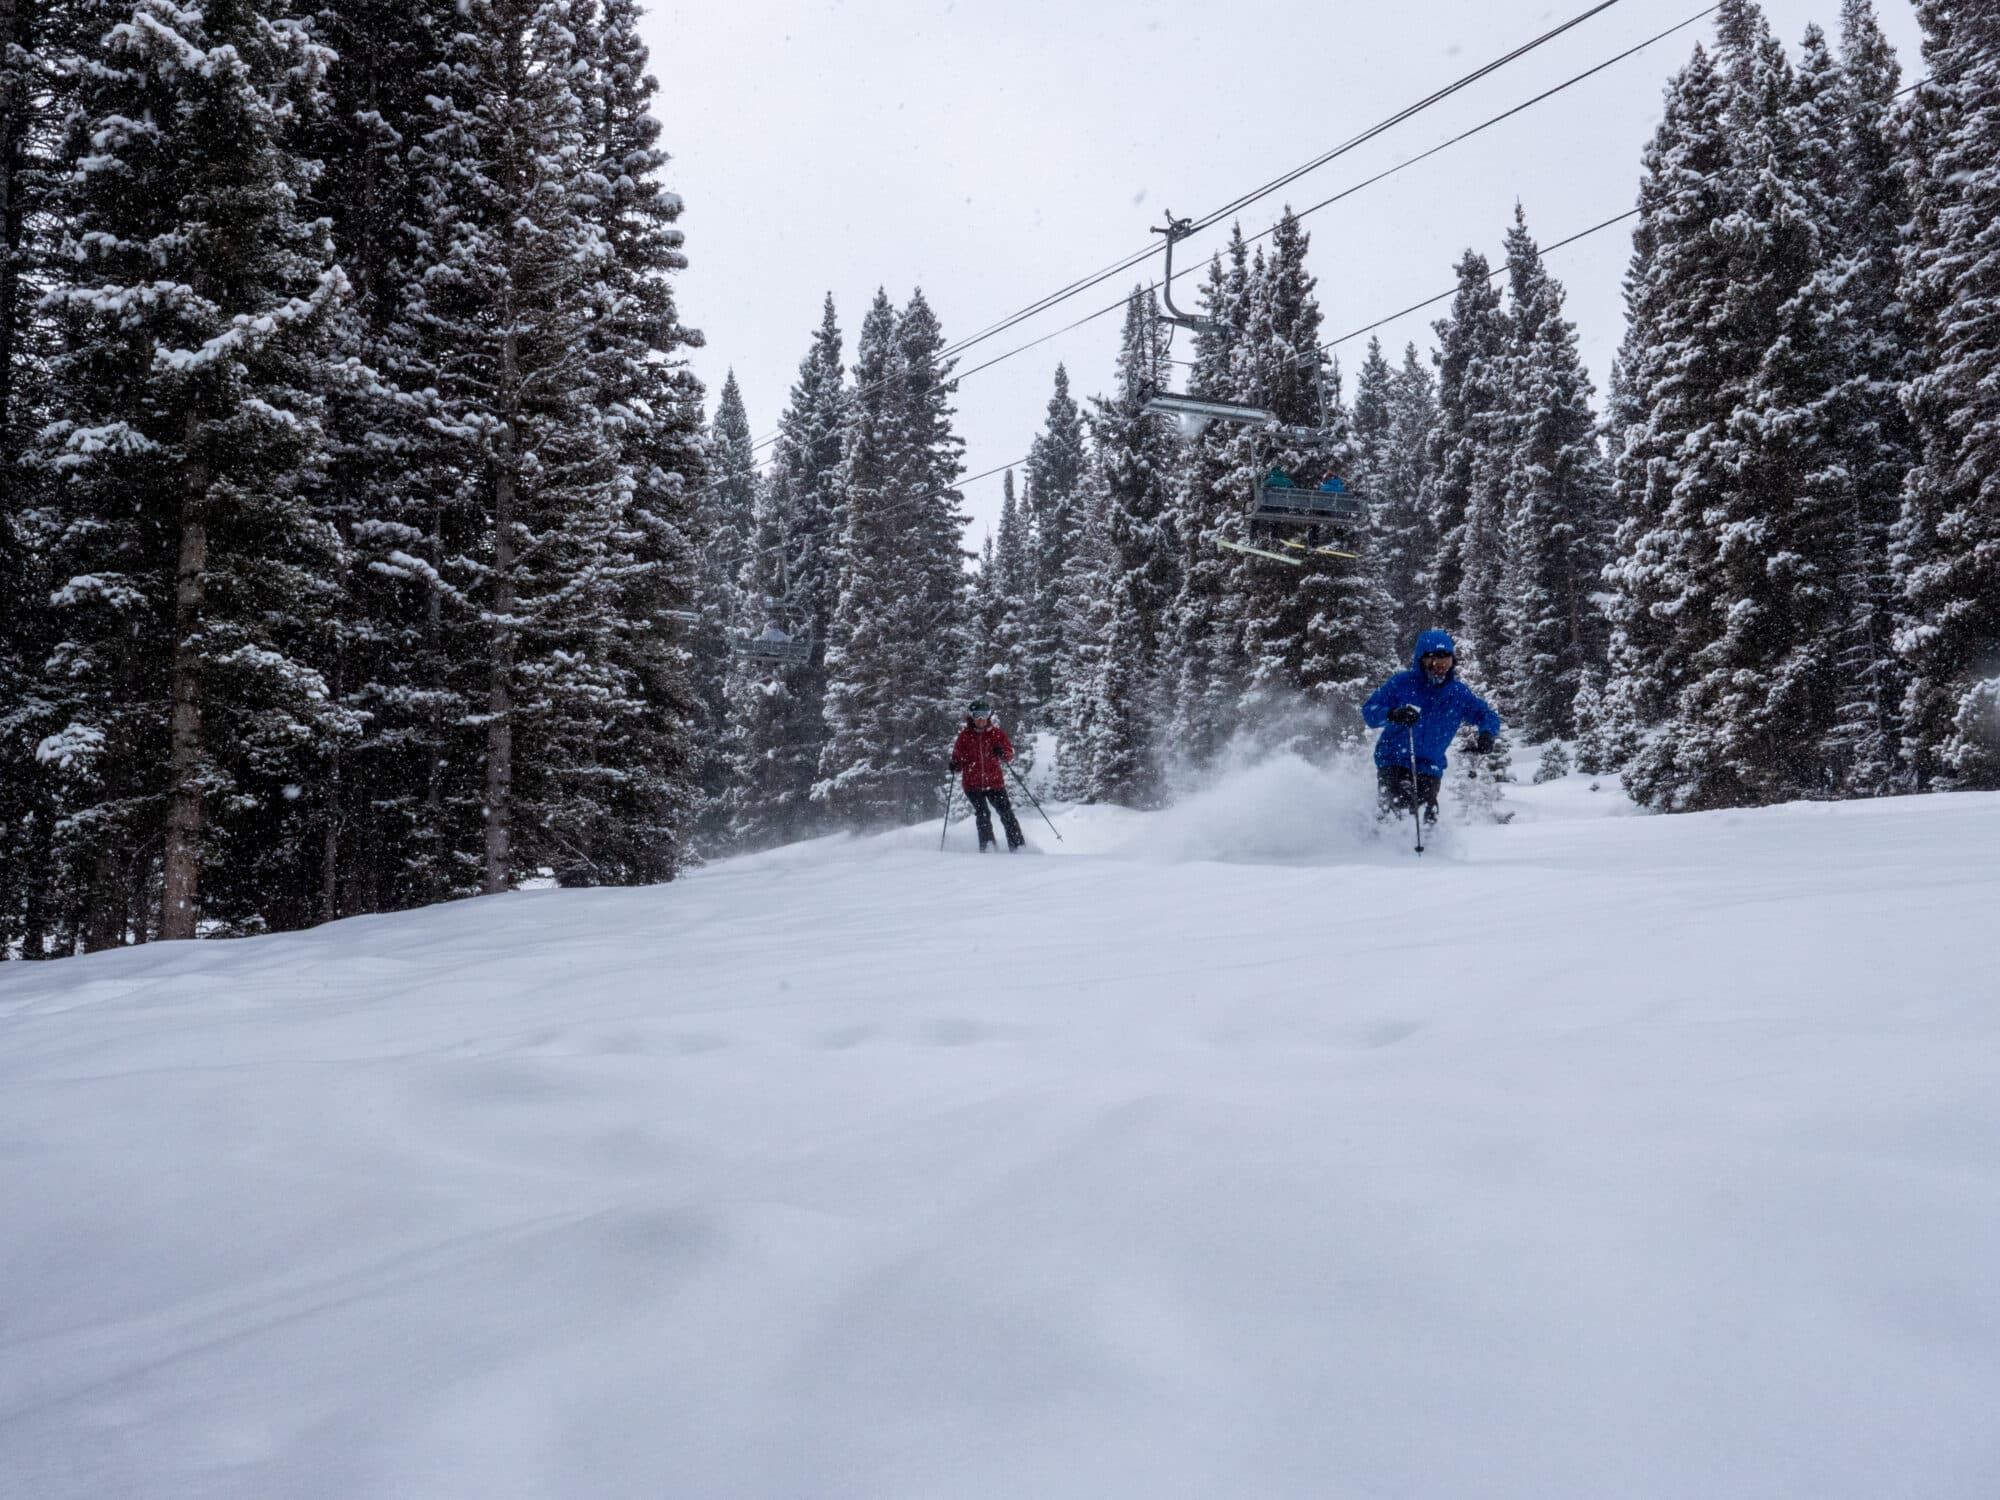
(979, 753)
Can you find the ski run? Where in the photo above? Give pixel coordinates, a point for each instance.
(1225, 1151)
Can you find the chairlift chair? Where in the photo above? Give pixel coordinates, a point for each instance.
(1275, 498)
(773, 645)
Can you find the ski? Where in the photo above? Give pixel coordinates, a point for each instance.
(1294, 562)
(1321, 551)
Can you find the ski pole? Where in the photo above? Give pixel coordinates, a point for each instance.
(947, 815)
(1031, 797)
(1416, 792)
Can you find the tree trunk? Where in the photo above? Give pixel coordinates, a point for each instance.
(35, 916)
(500, 698)
(13, 103)
(329, 859)
(104, 914)
(182, 861)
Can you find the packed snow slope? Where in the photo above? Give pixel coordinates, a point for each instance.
(1234, 1153)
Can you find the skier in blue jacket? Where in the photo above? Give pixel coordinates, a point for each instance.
(1423, 708)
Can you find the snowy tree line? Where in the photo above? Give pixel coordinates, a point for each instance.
(349, 451)
(1806, 417)
(1765, 571)
(363, 546)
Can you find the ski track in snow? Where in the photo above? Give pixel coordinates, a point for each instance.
(1233, 1151)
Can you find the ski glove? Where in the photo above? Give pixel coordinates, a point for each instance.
(1405, 713)
(1484, 743)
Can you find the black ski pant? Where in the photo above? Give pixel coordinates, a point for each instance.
(1392, 783)
(984, 805)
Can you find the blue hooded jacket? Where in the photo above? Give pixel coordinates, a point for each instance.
(1444, 705)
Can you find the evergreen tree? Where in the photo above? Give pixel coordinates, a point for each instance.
(1680, 386)
(635, 803)
(1008, 676)
(1088, 611)
(1757, 719)
(896, 633)
(732, 533)
(34, 95)
(1058, 464)
(376, 804)
(1401, 537)
(1479, 785)
(1947, 539)
(1318, 634)
(1595, 754)
(1460, 497)
(507, 308)
(777, 727)
(1871, 433)
(185, 435)
(1557, 508)
(1135, 461)
(1212, 484)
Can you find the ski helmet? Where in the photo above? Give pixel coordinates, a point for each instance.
(979, 709)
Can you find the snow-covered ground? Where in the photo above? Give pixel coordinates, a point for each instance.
(1235, 1153)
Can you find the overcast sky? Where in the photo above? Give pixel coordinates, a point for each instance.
(992, 152)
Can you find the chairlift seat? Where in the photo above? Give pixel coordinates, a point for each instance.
(1279, 500)
(773, 645)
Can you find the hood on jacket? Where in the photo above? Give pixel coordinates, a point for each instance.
(1434, 640)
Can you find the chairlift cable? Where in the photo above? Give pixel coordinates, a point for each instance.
(1348, 192)
(1064, 294)
(1215, 216)
(1408, 112)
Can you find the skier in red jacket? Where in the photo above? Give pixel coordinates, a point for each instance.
(980, 753)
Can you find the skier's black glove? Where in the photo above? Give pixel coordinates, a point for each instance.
(1405, 713)
(1483, 743)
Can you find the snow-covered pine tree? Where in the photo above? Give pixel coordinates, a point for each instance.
(1088, 610)
(1680, 391)
(1370, 417)
(730, 534)
(1554, 764)
(1135, 459)
(1058, 462)
(1006, 681)
(985, 607)
(635, 803)
(1754, 720)
(376, 803)
(185, 433)
(32, 99)
(777, 725)
(1212, 481)
(1479, 783)
(1595, 754)
(896, 630)
(507, 309)
(1947, 539)
(1401, 537)
(1558, 510)
(1759, 716)
(931, 462)
(1464, 445)
(1870, 428)
(1316, 635)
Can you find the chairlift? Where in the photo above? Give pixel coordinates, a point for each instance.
(774, 645)
(1279, 499)
(1276, 498)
